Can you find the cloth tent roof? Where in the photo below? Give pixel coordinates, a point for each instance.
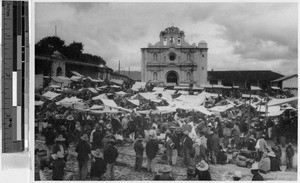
(115, 86)
(121, 93)
(64, 79)
(67, 102)
(99, 97)
(117, 81)
(275, 88)
(54, 86)
(281, 101)
(109, 103)
(95, 80)
(93, 90)
(255, 88)
(150, 96)
(97, 107)
(75, 78)
(221, 108)
(50, 95)
(135, 102)
(138, 85)
(38, 103)
(77, 74)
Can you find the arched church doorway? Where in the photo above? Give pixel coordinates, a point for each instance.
(172, 77)
(59, 71)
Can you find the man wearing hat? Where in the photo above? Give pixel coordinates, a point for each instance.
(166, 174)
(289, 156)
(97, 136)
(151, 152)
(139, 151)
(110, 157)
(84, 150)
(187, 146)
(98, 166)
(255, 172)
(202, 171)
(58, 153)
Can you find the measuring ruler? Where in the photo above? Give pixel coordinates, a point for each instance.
(15, 75)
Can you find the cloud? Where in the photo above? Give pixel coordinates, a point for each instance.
(237, 33)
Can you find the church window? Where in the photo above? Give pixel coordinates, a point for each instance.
(171, 40)
(165, 41)
(172, 56)
(188, 57)
(179, 41)
(154, 76)
(188, 76)
(155, 57)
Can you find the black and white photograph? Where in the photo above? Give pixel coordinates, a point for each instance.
(173, 91)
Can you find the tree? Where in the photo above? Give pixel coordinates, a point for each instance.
(73, 51)
(48, 45)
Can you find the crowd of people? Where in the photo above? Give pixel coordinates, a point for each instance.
(239, 136)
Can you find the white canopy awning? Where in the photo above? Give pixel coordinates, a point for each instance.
(99, 97)
(135, 102)
(275, 88)
(281, 101)
(50, 95)
(77, 74)
(255, 88)
(76, 78)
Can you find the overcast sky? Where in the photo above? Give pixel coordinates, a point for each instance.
(240, 36)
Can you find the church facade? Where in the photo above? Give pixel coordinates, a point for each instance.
(173, 61)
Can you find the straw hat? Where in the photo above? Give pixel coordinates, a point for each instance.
(84, 137)
(272, 154)
(238, 174)
(70, 118)
(254, 166)
(97, 153)
(202, 166)
(147, 116)
(166, 169)
(60, 138)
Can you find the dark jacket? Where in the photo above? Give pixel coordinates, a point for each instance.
(110, 154)
(98, 167)
(251, 144)
(202, 175)
(214, 143)
(138, 148)
(289, 151)
(83, 149)
(274, 164)
(164, 177)
(187, 142)
(151, 149)
(49, 136)
(97, 138)
(256, 175)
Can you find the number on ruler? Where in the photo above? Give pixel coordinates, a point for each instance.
(7, 115)
(10, 121)
(6, 75)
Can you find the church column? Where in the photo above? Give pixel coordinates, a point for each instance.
(143, 68)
